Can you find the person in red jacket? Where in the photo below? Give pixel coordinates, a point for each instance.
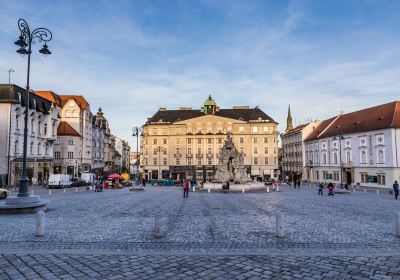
(186, 188)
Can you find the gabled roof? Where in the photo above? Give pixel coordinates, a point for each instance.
(79, 99)
(171, 116)
(64, 129)
(49, 95)
(296, 129)
(374, 118)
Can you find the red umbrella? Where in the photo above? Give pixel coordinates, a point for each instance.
(115, 176)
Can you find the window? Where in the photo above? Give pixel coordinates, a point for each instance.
(17, 122)
(198, 150)
(209, 150)
(255, 160)
(348, 157)
(68, 114)
(45, 129)
(209, 161)
(241, 150)
(336, 176)
(165, 141)
(255, 129)
(189, 141)
(317, 175)
(381, 179)
(70, 141)
(199, 141)
(363, 157)
(165, 151)
(335, 158)
(189, 161)
(241, 140)
(266, 160)
(178, 161)
(32, 126)
(154, 161)
(154, 141)
(209, 141)
(381, 158)
(324, 159)
(164, 161)
(266, 150)
(255, 140)
(70, 154)
(364, 178)
(265, 140)
(265, 129)
(155, 151)
(255, 150)
(31, 148)
(57, 154)
(189, 150)
(241, 129)
(219, 140)
(199, 161)
(16, 144)
(38, 149)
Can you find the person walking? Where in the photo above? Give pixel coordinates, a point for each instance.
(320, 188)
(186, 188)
(227, 187)
(396, 189)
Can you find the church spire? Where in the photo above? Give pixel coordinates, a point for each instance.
(289, 124)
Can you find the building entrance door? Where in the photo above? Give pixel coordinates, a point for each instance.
(348, 178)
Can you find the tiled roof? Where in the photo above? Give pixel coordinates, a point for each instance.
(296, 129)
(79, 99)
(374, 118)
(171, 116)
(49, 95)
(64, 129)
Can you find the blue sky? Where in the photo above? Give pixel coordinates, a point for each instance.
(132, 57)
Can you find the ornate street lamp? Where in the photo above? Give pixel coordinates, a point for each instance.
(136, 131)
(24, 42)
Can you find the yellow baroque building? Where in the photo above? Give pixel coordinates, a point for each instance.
(185, 143)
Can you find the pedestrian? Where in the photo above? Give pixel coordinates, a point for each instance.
(396, 189)
(298, 184)
(144, 182)
(186, 188)
(227, 187)
(320, 188)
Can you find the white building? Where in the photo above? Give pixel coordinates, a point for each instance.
(42, 126)
(98, 142)
(361, 147)
(76, 112)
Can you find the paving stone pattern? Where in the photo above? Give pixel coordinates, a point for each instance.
(110, 235)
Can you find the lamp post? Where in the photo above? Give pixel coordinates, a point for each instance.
(26, 39)
(159, 149)
(136, 130)
(341, 137)
(9, 75)
(24, 42)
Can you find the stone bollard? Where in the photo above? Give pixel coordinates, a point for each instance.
(365, 190)
(65, 190)
(242, 190)
(377, 191)
(398, 224)
(209, 189)
(354, 190)
(40, 224)
(157, 227)
(267, 188)
(280, 231)
(49, 191)
(193, 188)
(76, 189)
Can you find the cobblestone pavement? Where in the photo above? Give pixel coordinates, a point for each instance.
(110, 235)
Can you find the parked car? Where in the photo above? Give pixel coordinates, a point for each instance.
(59, 181)
(3, 193)
(78, 182)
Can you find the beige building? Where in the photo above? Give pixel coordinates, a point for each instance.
(185, 143)
(293, 161)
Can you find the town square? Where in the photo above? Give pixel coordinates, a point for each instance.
(199, 139)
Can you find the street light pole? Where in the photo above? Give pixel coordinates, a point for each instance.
(136, 130)
(25, 40)
(9, 75)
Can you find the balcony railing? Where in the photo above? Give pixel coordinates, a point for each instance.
(178, 155)
(199, 155)
(189, 155)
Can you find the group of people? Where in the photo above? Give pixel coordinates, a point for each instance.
(331, 189)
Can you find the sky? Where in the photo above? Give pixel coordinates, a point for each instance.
(133, 57)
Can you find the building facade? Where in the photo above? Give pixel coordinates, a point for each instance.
(42, 125)
(293, 161)
(361, 147)
(98, 141)
(185, 143)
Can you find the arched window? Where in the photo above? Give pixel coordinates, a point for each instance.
(31, 148)
(17, 121)
(380, 156)
(348, 159)
(38, 149)
(335, 161)
(363, 157)
(46, 149)
(324, 158)
(32, 126)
